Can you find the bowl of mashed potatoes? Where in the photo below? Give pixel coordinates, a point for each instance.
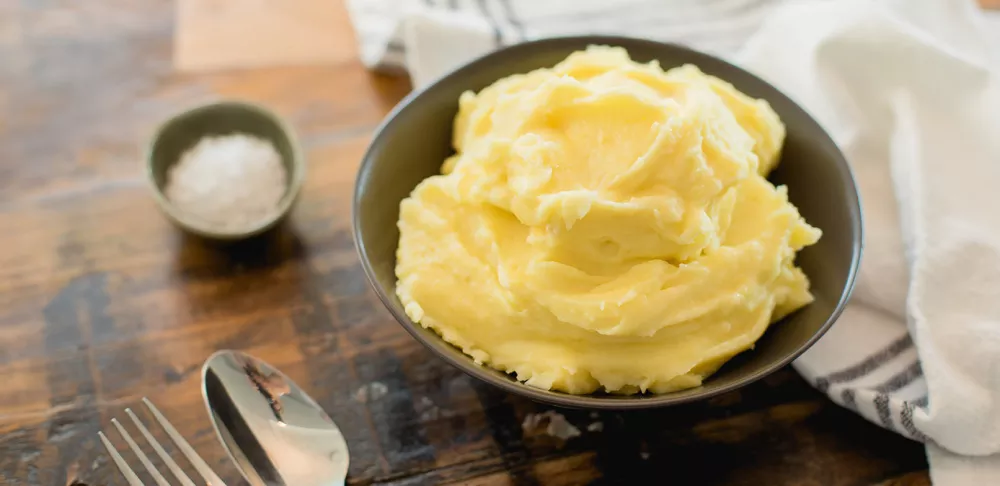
(608, 222)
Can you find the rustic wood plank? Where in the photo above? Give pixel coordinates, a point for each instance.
(103, 302)
(909, 479)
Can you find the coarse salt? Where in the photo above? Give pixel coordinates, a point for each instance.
(228, 182)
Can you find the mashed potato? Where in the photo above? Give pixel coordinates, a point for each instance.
(605, 225)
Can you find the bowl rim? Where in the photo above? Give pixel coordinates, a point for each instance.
(293, 183)
(457, 358)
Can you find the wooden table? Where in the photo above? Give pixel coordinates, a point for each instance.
(102, 302)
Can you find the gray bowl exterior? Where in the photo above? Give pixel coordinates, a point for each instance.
(183, 131)
(416, 138)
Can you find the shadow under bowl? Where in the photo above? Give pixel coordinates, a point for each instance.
(415, 139)
(183, 131)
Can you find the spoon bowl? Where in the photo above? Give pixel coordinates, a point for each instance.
(273, 431)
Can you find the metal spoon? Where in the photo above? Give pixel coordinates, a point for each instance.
(275, 433)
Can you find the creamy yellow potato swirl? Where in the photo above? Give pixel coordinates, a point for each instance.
(605, 225)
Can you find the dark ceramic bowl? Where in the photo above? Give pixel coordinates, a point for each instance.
(184, 130)
(416, 138)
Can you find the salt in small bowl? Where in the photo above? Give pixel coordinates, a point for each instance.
(183, 131)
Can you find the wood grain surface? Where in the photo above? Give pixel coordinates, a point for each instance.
(102, 302)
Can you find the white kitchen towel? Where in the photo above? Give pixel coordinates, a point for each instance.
(909, 90)
(429, 37)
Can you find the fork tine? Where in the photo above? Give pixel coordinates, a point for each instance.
(169, 461)
(160, 480)
(192, 456)
(129, 474)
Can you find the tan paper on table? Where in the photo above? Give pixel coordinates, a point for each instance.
(228, 34)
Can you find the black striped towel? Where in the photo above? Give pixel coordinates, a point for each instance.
(909, 90)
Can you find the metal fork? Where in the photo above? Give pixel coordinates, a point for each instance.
(206, 473)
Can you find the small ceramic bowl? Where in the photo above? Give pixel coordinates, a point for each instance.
(183, 131)
(416, 138)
